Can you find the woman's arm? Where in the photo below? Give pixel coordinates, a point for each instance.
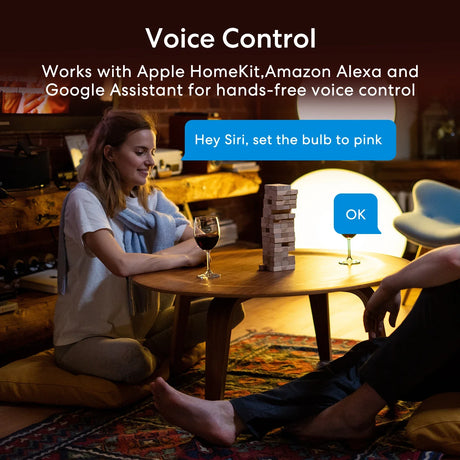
(437, 267)
(186, 244)
(188, 233)
(104, 246)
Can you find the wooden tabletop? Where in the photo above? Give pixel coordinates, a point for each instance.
(316, 272)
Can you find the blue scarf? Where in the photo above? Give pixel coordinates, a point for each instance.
(164, 220)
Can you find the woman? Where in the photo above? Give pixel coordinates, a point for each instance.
(114, 225)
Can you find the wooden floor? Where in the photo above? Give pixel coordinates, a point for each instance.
(286, 315)
(292, 315)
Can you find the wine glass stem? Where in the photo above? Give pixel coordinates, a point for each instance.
(208, 261)
(349, 248)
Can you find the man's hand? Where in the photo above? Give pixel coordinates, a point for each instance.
(382, 301)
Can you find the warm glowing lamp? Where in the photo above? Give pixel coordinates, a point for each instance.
(314, 215)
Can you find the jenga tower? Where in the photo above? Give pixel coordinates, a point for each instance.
(278, 237)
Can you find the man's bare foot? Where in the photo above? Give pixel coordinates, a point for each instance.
(214, 421)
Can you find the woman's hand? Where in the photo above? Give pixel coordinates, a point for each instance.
(382, 301)
(187, 247)
(193, 253)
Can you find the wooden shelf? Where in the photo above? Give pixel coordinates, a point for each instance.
(31, 210)
(28, 330)
(37, 209)
(192, 188)
(403, 174)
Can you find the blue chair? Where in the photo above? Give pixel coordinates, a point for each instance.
(435, 219)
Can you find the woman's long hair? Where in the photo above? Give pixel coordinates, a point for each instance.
(101, 174)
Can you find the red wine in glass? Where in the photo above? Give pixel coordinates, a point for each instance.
(206, 231)
(207, 241)
(349, 260)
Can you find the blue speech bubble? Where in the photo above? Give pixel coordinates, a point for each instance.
(356, 213)
(257, 140)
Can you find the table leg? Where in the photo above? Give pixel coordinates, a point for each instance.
(181, 316)
(319, 304)
(218, 345)
(364, 294)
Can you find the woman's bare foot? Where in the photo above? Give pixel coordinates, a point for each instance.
(214, 421)
(352, 418)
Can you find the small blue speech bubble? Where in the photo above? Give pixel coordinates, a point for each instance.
(356, 213)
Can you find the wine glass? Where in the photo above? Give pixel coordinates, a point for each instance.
(349, 260)
(206, 230)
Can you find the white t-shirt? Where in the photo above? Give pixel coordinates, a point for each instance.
(95, 302)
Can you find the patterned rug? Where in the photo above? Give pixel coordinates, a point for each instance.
(258, 362)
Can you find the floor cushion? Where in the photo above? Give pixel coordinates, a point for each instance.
(37, 379)
(435, 425)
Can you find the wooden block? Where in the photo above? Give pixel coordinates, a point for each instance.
(281, 269)
(274, 218)
(280, 216)
(278, 264)
(283, 196)
(276, 203)
(280, 194)
(280, 199)
(277, 228)
(278, 260)
(276, 208)
(269, 240)
(276, 187)
(269, 245)
(272, 261)
(276, 251)
(277, 248)
(272, 222)
(268, 268)
(273, 239)
(285, 231)
(280, 233)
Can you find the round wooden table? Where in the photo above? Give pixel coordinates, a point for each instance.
(316, 274)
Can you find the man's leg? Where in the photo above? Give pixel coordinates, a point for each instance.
(419, 359)
(305, 396)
